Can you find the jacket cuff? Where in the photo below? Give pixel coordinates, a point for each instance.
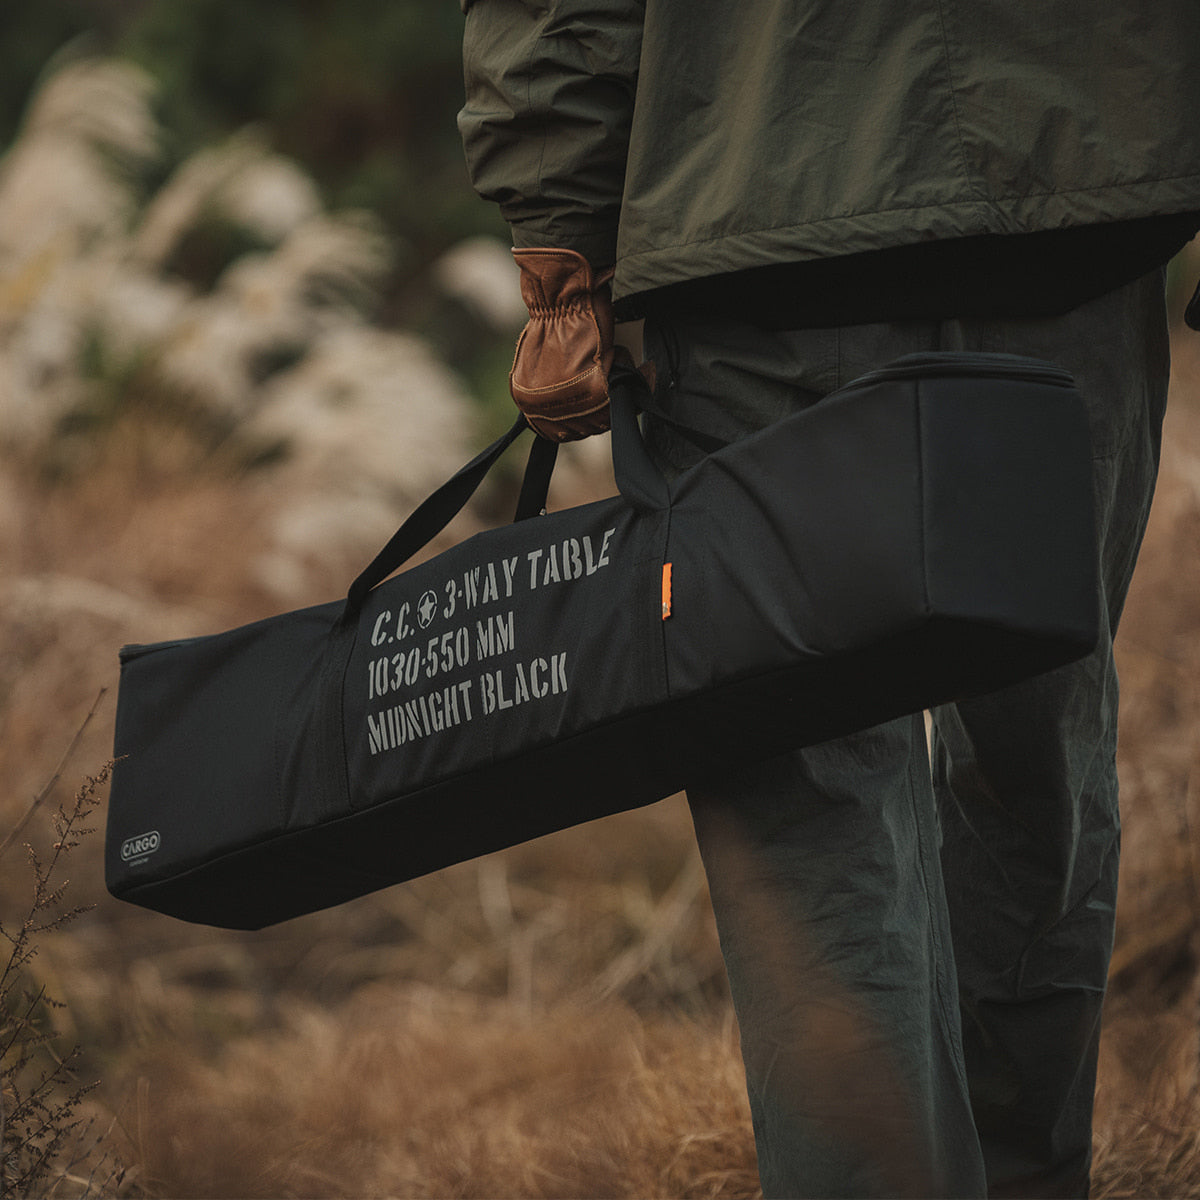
(598, 246)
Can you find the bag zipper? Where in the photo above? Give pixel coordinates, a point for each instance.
(957, 363)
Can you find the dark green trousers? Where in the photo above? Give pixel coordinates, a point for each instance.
(917, 934)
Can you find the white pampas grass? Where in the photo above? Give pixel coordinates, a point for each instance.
(271, 196)
(382, 400)
(481, 274)
(277, 350)
(372, 423)
(59, 183)
(285, 300)
(239, 180)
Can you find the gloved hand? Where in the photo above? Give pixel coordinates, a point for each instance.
(559, 377)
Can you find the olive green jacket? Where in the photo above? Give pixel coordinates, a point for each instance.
(690, 138)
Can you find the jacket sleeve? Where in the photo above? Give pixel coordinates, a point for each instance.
(550, 89)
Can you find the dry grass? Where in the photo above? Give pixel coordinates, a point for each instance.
(417, 1092)
(1148, 1097)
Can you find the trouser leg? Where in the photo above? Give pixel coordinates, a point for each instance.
(826, 886)
(1026, 784)
(824, 870)
(830, 900)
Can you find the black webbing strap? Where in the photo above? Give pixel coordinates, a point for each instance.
(535, 486)
(640, 482)
(428, 520)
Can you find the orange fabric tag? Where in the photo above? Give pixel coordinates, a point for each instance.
(666, 591)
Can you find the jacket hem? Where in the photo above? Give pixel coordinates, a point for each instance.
(670, 262)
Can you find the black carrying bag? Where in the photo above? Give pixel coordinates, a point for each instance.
(923, 534)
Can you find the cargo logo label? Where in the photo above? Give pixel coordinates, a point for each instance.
(420, 685)
(137, 849)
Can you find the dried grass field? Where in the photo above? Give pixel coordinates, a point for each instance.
(551, 1021)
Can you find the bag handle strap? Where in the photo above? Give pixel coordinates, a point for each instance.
(637, 477)
(535, 486)
(428, 520)
(639, 480)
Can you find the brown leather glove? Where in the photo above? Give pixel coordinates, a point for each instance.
(559, 376)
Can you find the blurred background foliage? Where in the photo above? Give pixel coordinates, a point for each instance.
(362, 94)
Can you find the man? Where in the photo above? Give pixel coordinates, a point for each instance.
(792, 192)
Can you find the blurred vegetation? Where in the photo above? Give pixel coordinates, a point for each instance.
(362, 93)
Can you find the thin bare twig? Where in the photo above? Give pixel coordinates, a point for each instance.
(38, 800)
